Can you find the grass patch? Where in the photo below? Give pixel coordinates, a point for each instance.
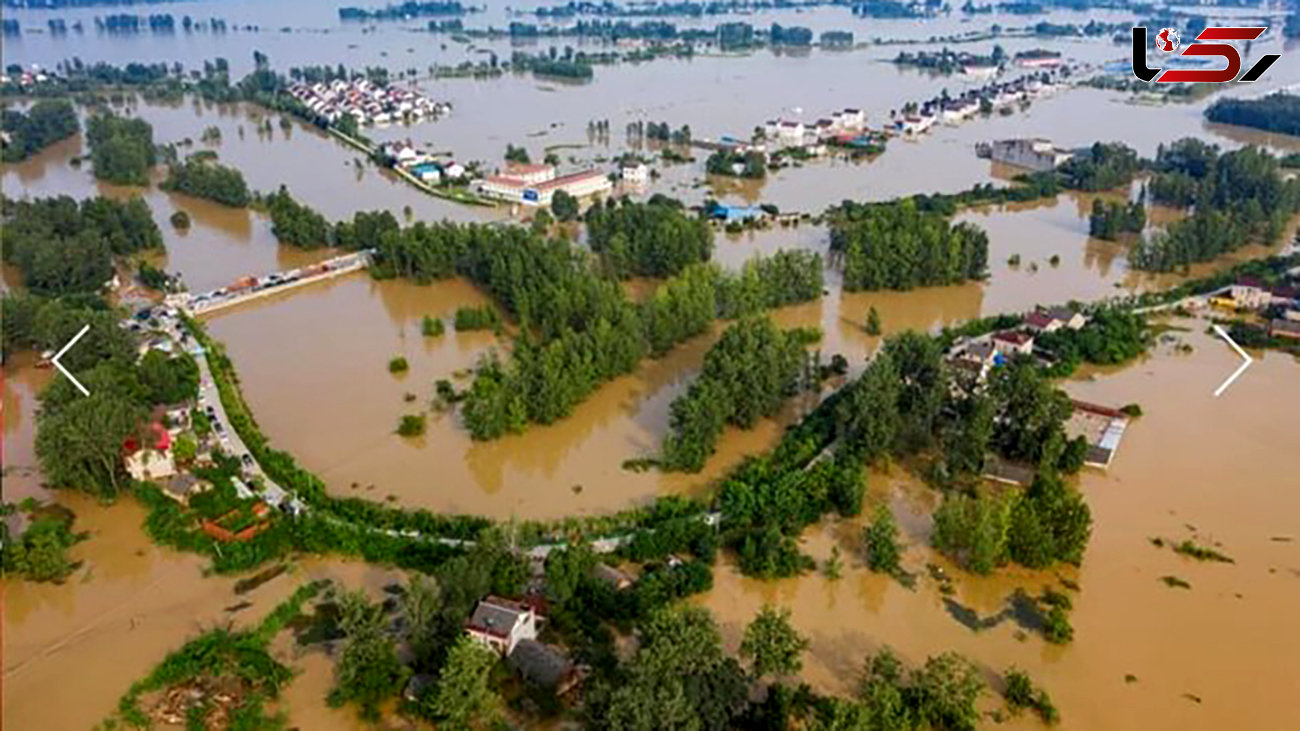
(1201, 553)
(1021, 693)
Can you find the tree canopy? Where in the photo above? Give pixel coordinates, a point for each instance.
(121, 148)
(44, 123)
(899, 245)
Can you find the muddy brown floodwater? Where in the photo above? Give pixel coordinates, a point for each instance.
(121, 612)
(1191, 466)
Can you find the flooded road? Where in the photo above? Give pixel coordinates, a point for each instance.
(1192, 467)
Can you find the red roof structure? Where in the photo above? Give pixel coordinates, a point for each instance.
(162, 441)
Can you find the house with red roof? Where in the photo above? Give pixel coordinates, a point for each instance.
(1012, 342)
(151, 460)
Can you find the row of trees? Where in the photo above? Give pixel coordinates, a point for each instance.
(46, 122)
(1109, 219)
(658, 238)
(1277, 112)
(64, 247)
(296, 224)
(207, 179)
(1236, 198)
(899, 245)
(746, 376)
(121, 148)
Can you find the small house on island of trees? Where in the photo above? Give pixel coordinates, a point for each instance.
(500, 624)
(1051, 319)
(152, 462)
(544, 666)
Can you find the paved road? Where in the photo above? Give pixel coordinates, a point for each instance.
(274, 494)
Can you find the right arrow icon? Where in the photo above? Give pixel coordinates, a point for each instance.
(1240, 369)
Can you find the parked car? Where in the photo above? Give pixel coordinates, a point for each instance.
(247, 459)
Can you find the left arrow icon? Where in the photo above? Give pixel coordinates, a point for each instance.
(64, 371)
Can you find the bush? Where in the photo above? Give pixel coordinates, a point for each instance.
(477, 318)
(180, 220)
(398, 365)
(431, 327)
(412, 425)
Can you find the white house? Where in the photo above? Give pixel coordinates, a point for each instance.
(637, 174)
(500, 624)
(1251, 294)
(453, 170)
(1036, 154)
(1008, 342)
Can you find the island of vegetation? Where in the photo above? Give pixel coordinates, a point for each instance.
(26, 133)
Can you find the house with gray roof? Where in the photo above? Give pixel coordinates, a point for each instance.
(500, 624)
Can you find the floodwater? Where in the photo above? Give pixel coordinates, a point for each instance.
(22, 382)
(1192, 467)
(313, 364)
(121, 612)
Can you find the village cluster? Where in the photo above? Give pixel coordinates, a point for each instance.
(1278, 307)
(994, 96)
(366, 102)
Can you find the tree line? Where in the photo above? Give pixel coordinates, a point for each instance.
(64, 247)
(210, 180)
(121, 148)
(653, 239)
(1277, 112)
(900, 245)
(746, 376)
(46, 122)
(1235, 198)
(297, 224)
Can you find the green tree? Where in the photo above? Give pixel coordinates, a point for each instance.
(881, 541)
(564, 206)
(873, 321)
(947, 689)
(771, 644)
(121, 149)
(79, 444)
(184, 449)
(368, 671)
(464, 698)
